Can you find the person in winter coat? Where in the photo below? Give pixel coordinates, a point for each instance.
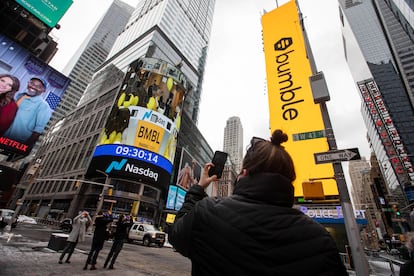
(77, 234)
(121, 233)
(255, 231)
(407, 269)
(98, 240)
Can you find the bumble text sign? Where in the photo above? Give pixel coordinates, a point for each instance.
(291, 104)
(139, 139)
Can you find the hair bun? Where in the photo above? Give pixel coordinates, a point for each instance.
(278, 137)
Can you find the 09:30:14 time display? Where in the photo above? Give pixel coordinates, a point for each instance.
(136, 153)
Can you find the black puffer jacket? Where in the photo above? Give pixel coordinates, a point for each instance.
(253, 232)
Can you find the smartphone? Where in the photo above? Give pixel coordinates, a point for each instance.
(219, 160)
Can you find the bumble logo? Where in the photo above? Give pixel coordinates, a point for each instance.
(291, 103)
(283, 44)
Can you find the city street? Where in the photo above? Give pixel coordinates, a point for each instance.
(24, 251)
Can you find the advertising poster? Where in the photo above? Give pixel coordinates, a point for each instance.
(291, 105)
(48, 11)
(175, 198)
(189, 172)
(30, 90)
(139, 139)
(180, 199)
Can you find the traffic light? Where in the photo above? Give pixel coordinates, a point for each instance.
(396, 210)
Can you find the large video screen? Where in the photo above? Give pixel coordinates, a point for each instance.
(139, 139)
(30, 90)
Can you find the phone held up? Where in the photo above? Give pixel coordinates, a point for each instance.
(219, 160)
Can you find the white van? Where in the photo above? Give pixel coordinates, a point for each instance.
(147, 233)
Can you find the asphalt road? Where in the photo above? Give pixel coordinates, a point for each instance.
(24, 251)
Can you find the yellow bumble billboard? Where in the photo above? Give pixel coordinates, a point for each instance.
(291, 104)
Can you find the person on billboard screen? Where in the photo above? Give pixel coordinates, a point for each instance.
(9, 85)
(33, 113)
(255, 231)
(185, 178)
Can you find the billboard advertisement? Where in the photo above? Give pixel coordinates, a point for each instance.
(189, 171)
(139, 139)
(48, 11)
(30, 91)
(291, 104)
(175, 198)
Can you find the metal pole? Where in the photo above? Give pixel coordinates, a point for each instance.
(101, 196)
(351, 227)
(34, 169)
(19, 204)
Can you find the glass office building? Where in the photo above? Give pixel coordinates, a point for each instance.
(379, 50)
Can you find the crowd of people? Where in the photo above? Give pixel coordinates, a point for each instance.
(100, 234)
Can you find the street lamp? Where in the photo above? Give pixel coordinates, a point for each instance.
(33, 171)
(101, 196)
(320, 94)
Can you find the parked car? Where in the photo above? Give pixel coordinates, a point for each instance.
(147, 233)
(66, 225)
(26, 219)
(5, 217)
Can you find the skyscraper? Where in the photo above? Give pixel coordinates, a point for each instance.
(233, 141)
(92, 53)
(356, 172)
(175, 33)
(364, 199)
(378, 48)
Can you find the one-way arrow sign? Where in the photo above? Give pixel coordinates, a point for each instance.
(337, 156)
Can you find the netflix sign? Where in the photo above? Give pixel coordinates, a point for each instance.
(30, 90)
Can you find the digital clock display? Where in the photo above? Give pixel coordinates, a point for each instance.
(134, 153)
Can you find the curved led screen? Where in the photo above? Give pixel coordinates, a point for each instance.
(140, 135)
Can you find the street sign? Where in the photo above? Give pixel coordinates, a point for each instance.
(308, 135)
(337, 156)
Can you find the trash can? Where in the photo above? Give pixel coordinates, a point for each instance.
(57, 241)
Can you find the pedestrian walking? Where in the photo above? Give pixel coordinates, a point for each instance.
(255, 231)
(99, 236)
(77, 234)
(121, 233)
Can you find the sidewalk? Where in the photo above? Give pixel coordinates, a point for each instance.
(21, 257)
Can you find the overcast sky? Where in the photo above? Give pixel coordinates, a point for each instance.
(234, 81)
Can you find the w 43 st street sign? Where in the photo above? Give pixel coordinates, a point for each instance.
(337, 156)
